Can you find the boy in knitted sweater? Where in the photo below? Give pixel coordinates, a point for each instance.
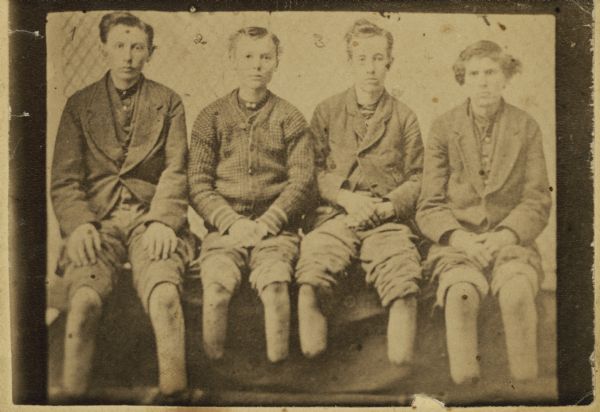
(250, 174)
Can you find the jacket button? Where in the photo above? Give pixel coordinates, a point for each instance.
(250, 171)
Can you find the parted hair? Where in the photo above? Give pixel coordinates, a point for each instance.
(125, 18)
(364, 28)
(486, 48)
(254, 32)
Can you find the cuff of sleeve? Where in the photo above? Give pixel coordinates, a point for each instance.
(514, 232)
(436, 225)
(223, 218)
(404, 199)
(70, 226)
(274, 219)
(330, 186)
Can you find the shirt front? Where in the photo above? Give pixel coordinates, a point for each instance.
(123, 104)
(486, 134)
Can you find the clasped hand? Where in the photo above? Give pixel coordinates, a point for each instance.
(365, 211)
(247, 233)
(484, 247)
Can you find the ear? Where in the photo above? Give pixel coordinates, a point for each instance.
(151, 53)
(389, 63)
(103, 50)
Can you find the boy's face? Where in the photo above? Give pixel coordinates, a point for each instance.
(484, 81)
(370, 62)
(126, 51)
(255, 61)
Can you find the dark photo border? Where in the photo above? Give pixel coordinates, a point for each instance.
(574, 114)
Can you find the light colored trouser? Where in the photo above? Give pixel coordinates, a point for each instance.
(390, 259)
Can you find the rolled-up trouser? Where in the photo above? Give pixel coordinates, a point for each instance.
(446, 266)
(271, 260)
(387, 254)
(121, 243)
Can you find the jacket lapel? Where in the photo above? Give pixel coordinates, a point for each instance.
(100, 123)
(378, 123)
(357, 123)
(149, 121)
(506, 152)
(467, 147)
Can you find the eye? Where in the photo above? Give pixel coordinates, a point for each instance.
(248, 56)
(120, 45)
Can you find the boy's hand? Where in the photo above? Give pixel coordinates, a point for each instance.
(494, 241)
(361, 207)
(472, 245)
(159, 240)
(245, 232)
(262, 230)
(83, 244)
(385, 210)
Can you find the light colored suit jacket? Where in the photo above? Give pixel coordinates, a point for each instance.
(90, 165)
(454, 196)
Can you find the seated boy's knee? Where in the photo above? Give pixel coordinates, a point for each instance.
(85, 303)
(275, 293)
(216, 294)
(462, 292)
(515, 293)
(165, 297)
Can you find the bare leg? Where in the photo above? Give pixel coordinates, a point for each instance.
(80, 340)
(166, 316)
(462, 308)
(214, 320)
(402, 328)
(312, 323)
(276, 301)
(520, 325)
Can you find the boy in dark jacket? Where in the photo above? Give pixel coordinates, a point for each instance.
(369, 161)
(119, 191)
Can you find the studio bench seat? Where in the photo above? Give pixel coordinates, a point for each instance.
(355, 363)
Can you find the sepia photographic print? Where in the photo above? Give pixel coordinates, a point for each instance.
(342, 204)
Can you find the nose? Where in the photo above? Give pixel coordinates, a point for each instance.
(127, 54)
(370, 66)
(256, 63)
(482, 80)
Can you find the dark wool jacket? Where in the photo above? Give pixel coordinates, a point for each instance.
(90, 165)
(389, 155)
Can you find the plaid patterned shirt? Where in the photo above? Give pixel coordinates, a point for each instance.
(259, 166)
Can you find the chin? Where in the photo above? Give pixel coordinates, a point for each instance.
(371, 88)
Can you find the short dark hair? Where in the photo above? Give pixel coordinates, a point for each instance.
(254, 32)
(364, 28)
(486, 48)
(125, 18)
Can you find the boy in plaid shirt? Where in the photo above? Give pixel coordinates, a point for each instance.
(250, 174)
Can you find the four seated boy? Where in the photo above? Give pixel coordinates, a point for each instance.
(257, 172)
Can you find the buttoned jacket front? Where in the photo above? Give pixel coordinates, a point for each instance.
(454, 194)
(90, 165)
(389, 151)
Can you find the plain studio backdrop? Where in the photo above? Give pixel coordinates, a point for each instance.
(192, 59)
